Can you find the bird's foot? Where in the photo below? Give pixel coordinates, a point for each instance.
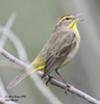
(49, 79)
(67, 88)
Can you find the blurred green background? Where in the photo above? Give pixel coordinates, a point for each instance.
(34, 23)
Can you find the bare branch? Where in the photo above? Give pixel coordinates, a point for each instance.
(7, 33)
(8, 25)
(54, 82)
(76, 91)
(15, 40)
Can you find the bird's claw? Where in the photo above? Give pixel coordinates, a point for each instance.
(67, 88)
(49, 79)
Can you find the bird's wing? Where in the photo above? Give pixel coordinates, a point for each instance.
(60, 45)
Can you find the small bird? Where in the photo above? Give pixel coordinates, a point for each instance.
(59, 49)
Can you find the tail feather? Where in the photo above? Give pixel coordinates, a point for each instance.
(19, 78)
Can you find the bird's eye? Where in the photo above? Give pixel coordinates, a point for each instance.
(67, 18)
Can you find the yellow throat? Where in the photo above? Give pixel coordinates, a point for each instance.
(73, 27)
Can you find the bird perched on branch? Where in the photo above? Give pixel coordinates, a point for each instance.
(58, 50)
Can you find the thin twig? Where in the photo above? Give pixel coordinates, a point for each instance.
(7, 33)
(8, 25)
(17, 43)
(54, 82)
(76, 91)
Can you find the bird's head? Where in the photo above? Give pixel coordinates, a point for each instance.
(70, 21)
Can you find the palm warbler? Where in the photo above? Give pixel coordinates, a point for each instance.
(59, 49)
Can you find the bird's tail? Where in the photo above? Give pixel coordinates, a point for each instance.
(19, 78)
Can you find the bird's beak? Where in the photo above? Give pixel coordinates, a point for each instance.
(78, 18)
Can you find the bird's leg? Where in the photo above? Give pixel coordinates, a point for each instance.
(62, 78)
